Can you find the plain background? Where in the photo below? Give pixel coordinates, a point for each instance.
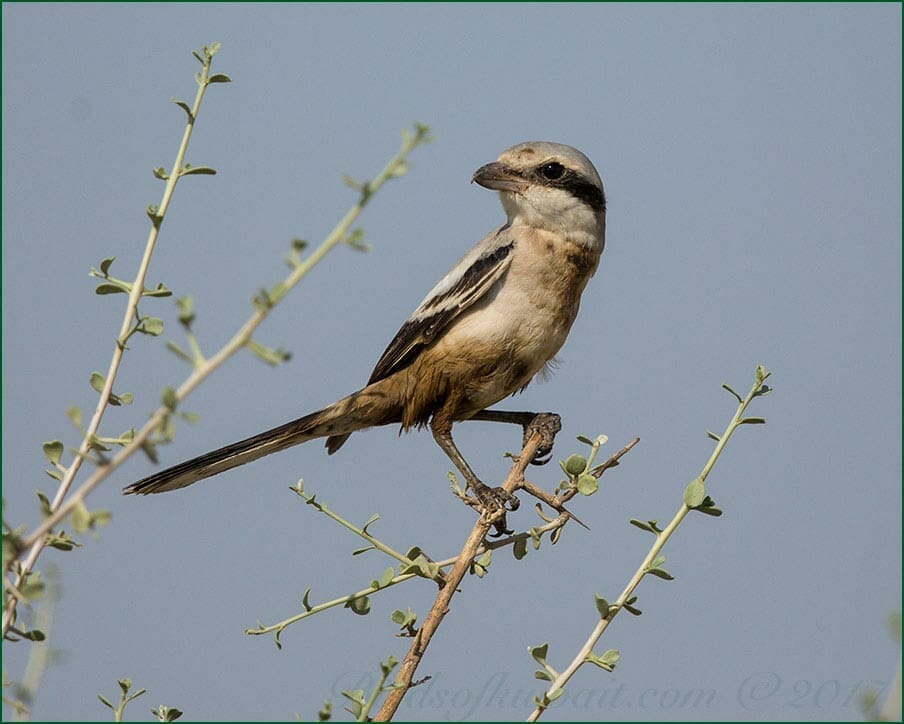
(752, 161)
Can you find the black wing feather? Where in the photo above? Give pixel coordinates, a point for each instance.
(422, 327)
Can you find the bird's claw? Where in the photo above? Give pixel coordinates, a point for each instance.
(498, 502)
(547, 424)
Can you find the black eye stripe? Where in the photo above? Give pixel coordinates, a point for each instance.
(576, 185)
(587, 192)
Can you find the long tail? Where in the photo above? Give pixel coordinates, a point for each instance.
(365, 408)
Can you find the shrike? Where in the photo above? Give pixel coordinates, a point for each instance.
(481, 334)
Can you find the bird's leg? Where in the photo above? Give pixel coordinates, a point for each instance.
(492, 499)
(546, 423)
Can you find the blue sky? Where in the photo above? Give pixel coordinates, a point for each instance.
(752, 161)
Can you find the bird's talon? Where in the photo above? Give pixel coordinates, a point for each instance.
(547, 424)
(542, 457)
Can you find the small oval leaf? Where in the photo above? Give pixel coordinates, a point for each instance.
(694, 493)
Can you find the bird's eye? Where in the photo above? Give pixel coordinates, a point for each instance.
(552, 171)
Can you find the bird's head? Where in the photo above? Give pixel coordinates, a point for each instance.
(548, 186)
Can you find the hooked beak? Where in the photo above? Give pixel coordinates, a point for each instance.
(498, 177)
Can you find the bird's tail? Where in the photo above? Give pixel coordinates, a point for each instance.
(365, 408)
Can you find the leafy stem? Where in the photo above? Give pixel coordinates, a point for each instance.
(694, 499)
(36, 541)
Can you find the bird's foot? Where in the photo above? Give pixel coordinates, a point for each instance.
(547, 424)
(496, 502)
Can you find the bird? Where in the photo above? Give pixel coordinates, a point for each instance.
(493, 323)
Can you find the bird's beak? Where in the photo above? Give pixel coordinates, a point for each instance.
(498, 177)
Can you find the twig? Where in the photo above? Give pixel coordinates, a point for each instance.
(557, 502)
(311, 610)
(586, 652)
(36, 541)
(340, 234)
(440, 606)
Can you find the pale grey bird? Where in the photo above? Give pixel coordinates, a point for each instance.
(482, 333)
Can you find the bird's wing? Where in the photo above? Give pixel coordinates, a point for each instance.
(465, 283)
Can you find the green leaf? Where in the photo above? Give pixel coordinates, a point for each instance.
(80, 517)
(386, 577)
(737, 396)
(607, 661)
(661, 573)
(708, 506)
(694, 493)
(167, 713)
(629, 607)
(712, 436)
(752, 421)
(104, 701)
(539, 653)
(159, 291)
(542, 675)
(184, 106)
(111, 288)
(100, 517)
(539, 511)
(95, 443)
(105, 265)
(219, 78)
(387, 666)
(360, 605)
(32, 589)
(649, 526)
(575, 465)
(53, 449)
(189, 170)
(125, 684)
(75, 414)
(714, 512)
(404, 619)
(355, 239)
(185, 306)
(97, 381)
(168, 397)
(326, 712)
(587, 484)
(44, 503)
(150, 449)
(304, 600)
(602, 605)
(151, 326)
(520, 548)
(399, 170)
(62, 542)
(160, 173)
(554, 694)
